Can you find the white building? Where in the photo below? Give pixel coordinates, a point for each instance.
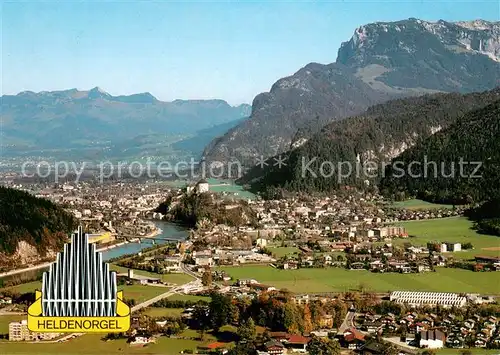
(453, 247)
(18, 331)
(261, 242)
(202, 186)
(416, 299)
(432, 339)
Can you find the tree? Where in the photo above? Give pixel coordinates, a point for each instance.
(308, 325)
(242, 349)
(201, 315)
(206, 279)
(292, 318)
(323, 346)
(220, 310)
(246, 330)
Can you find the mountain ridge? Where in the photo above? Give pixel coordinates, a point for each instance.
(67, 119)
(381, 61)
(380, 134)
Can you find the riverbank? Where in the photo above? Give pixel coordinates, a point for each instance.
(132, 246)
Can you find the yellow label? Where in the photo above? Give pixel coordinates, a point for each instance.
(39, 323)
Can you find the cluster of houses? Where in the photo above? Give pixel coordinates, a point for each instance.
(432, 331)
(227, 256)
(119, 208)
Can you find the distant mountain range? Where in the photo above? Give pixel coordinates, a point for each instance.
(94, 120)
(382, 61)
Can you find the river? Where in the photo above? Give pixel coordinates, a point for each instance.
(168, 230)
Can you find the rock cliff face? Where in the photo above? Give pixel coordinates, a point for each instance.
(381, 61)
(425, 56)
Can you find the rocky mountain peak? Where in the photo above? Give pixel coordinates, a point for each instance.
(98, 93)
(381, 39)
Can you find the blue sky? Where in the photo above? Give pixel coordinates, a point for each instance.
(230, 50)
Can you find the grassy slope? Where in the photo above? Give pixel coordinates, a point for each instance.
(339, 280)
(92, 345)
(163, 312)
(171, 278)
(419, 205)
(455, 229)
(138, 292)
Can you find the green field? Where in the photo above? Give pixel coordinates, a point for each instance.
(93, 345)
(174, 278)
(419, 205)
(27, 287)
(453, 229)
(138, 292)
(141, 293)
(283, 251)
(230, 187)
(163, 312)
(341, 280)
(6, 319)
(474, 351)
(193, 298)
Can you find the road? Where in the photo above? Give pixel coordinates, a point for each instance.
(164, 295)
(347, 323)
(188, 271)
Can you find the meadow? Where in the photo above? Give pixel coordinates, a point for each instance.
(6, 319)
(342, 280)
(26, 287)
(92, 344)
(453, 229)
(192, 298)
(474, 351)
(173, 278)
(416, 204)
(141, 293)
(157, 312)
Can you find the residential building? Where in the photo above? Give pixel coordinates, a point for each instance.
(297, 343)
(432, 339)
(273, 347)
(354, 339)
(18, 331)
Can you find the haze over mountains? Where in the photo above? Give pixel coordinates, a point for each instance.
(98, 124)
(381, 61)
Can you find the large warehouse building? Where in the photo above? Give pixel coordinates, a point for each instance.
(428, 298)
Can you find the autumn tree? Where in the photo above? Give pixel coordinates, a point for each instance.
(292, 318)
(323, 346)
(307, 319)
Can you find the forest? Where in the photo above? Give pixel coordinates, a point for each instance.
(376, 136)
(36, 221)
